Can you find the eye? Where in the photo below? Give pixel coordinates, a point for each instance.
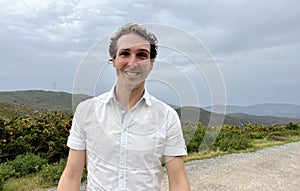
(142, 55)
(124, 53)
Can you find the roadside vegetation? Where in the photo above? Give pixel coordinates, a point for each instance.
(33, 148)
(209, 142)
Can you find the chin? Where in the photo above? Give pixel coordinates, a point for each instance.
(133, 85)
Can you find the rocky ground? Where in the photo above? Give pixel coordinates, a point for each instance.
(271, 169)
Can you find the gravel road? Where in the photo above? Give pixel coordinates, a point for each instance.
(274, 168)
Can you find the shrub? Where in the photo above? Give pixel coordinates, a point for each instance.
(195, 142)
(53, 172)
(292, 126)
(234, 143)
(21, 166)
(43, 134)
(27, 164)
(256, 135)
(229, 140)
(277, 133)
(6, 171)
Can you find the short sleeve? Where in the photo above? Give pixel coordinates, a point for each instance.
(175, 144)
(76, 139)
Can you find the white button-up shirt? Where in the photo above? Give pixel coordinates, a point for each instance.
(124, 151)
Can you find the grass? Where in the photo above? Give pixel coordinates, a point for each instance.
(257, 145)
(204, 155)
(30, 182)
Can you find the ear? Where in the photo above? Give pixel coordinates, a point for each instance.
(151, 64)
(113, 62)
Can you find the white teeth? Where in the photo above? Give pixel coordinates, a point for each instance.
(131, 73)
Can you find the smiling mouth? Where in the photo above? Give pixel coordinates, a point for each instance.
(131, 73)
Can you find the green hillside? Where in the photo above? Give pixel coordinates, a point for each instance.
(48, 100)
(32, 101)
(10, 110)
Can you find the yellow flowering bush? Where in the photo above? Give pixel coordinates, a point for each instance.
(44, 134)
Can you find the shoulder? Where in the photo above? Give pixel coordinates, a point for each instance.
(162, 106)
(92, 103)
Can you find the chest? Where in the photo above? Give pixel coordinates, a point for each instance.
(138, 135)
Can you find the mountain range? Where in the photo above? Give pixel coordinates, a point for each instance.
(48, 100)
(30, 101)
(266, 109)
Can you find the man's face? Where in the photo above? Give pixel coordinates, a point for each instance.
(132, 61)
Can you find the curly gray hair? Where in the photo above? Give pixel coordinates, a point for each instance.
(137, 29)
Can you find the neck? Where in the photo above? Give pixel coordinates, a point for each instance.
(128, 97)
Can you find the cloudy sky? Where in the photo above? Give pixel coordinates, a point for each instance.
(254, 45)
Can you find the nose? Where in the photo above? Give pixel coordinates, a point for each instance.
(133, 61)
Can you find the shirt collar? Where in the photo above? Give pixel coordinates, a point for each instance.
(111, 95)
(146, 96)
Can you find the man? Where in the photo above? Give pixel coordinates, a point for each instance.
(124, 135)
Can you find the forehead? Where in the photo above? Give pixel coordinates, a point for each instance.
(130, 41)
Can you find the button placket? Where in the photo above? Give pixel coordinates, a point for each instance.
(123, 151)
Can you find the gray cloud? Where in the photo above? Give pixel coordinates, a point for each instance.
(255, 43)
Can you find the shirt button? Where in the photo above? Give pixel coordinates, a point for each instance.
(122, 177)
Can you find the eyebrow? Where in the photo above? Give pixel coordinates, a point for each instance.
(139, 50)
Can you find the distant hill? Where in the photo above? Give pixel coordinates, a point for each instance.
(49, 100)
(239, 119)
(10, 110)
(268, 109)
(32, 101)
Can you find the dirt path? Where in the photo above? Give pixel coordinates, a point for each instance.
(270, 169)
